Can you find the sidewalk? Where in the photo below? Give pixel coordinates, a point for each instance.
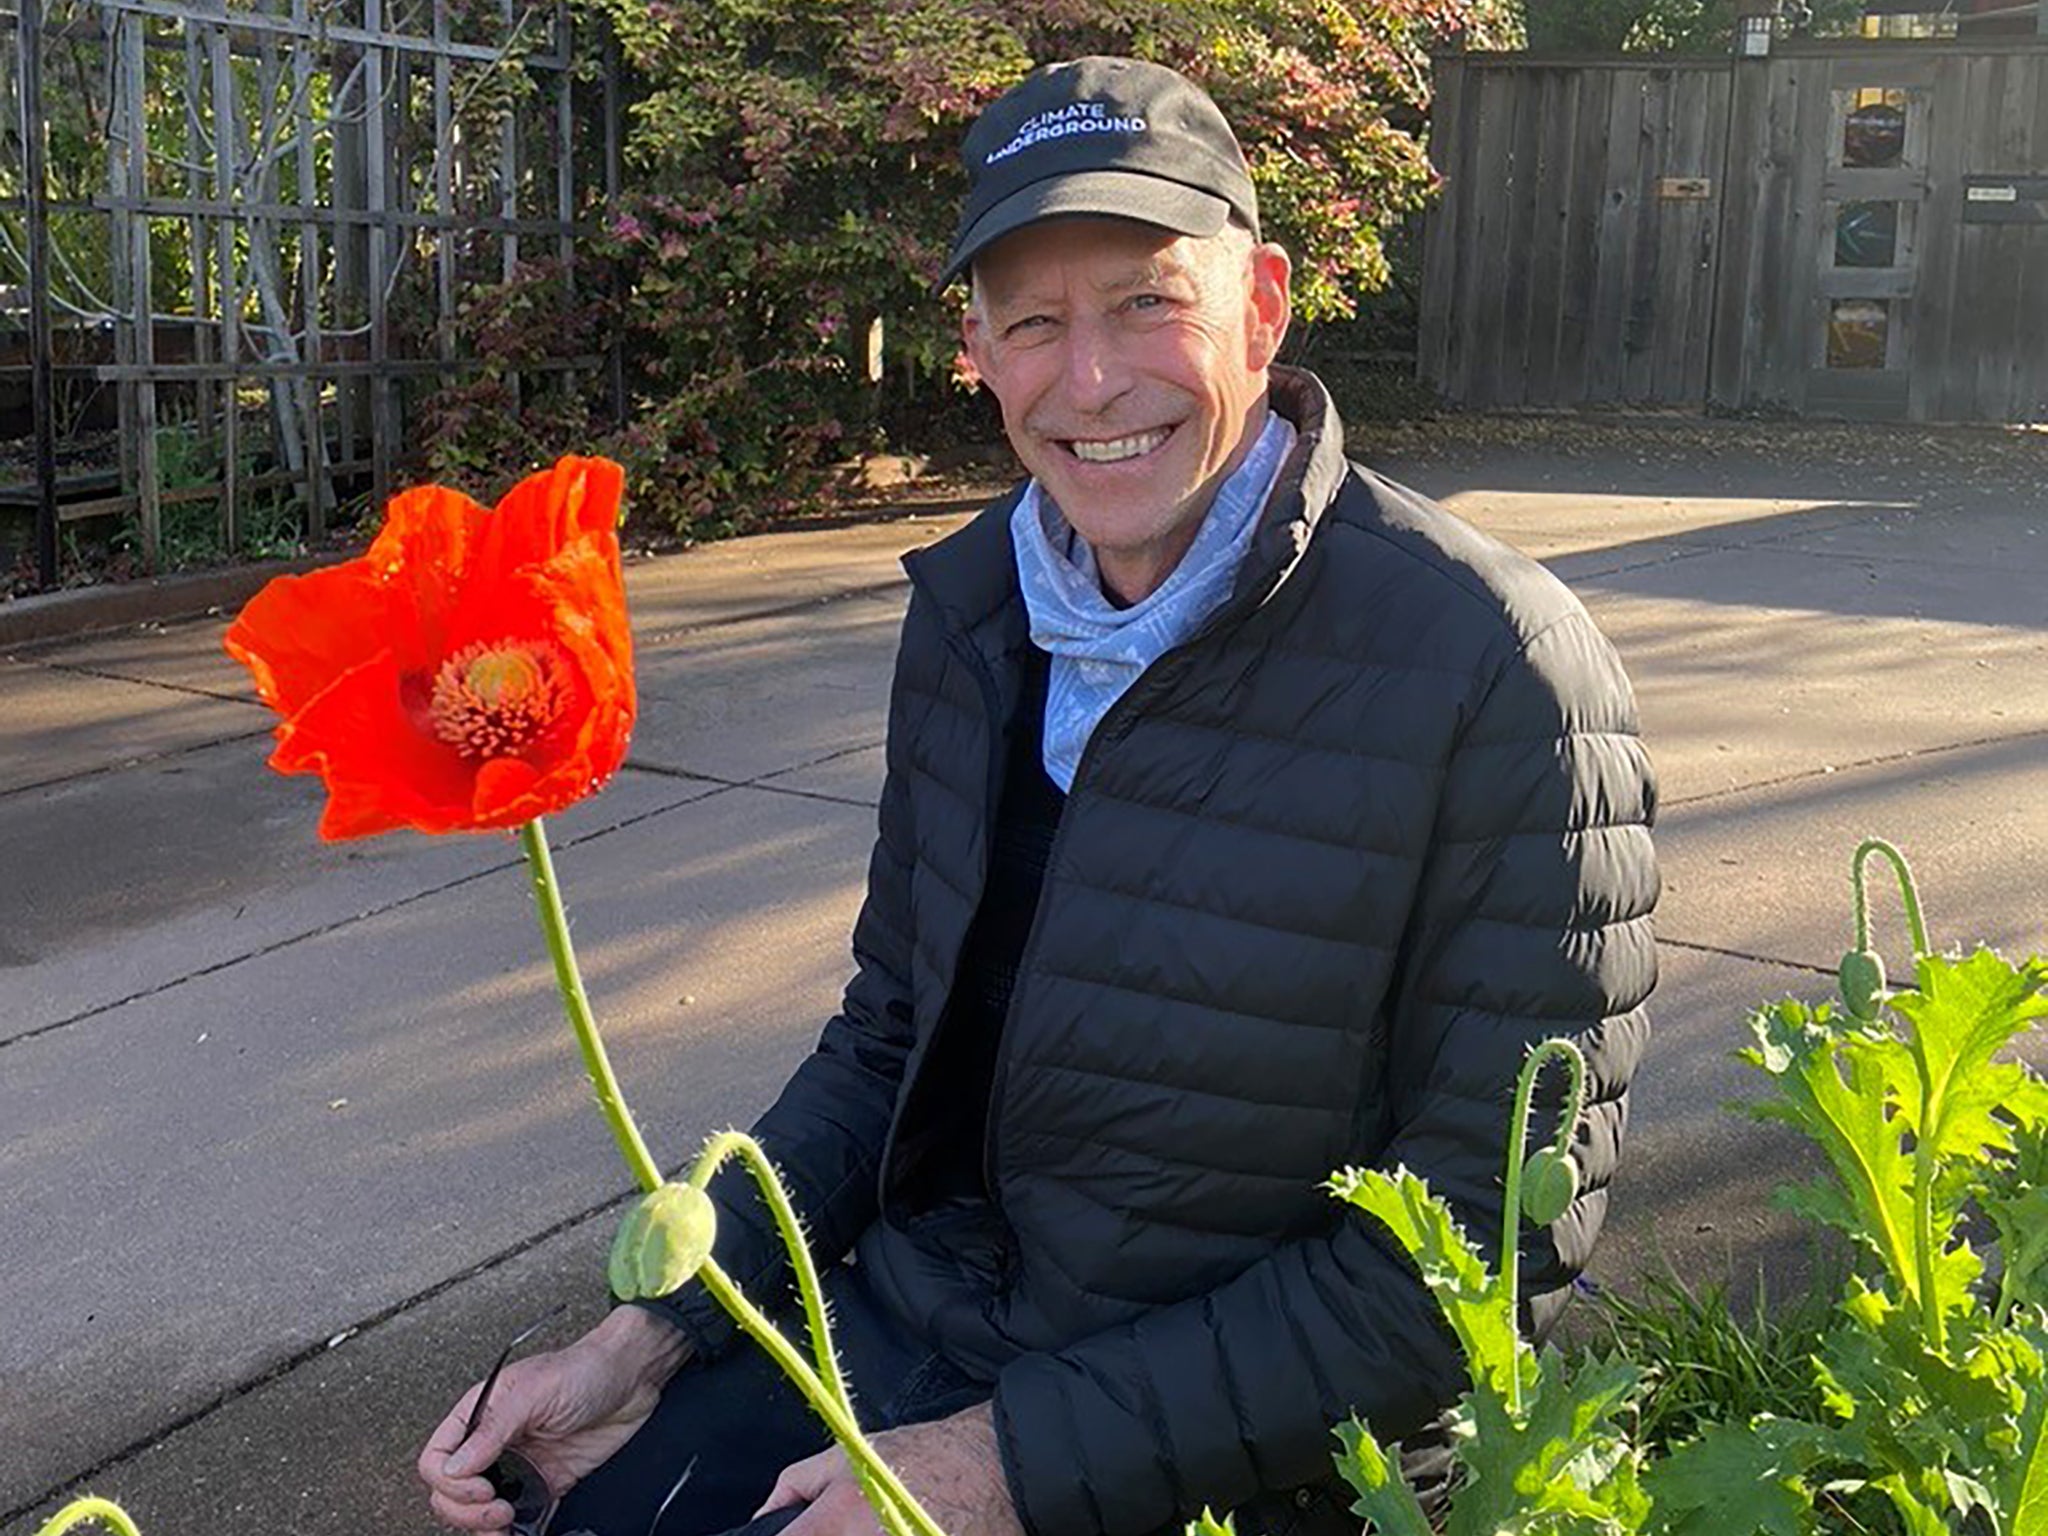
(294, 1136)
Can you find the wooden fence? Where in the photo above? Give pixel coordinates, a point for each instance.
(298, 191)
(1840, 229)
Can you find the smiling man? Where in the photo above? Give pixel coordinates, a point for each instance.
(1246, 816)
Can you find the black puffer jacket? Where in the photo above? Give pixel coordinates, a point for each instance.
(1325, 874)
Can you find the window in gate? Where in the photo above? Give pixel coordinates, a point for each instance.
(1859, 331)
(1874, 183)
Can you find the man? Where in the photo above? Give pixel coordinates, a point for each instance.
(1246, 816)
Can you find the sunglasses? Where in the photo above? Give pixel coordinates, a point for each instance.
(515, 1479)
(512, 1477)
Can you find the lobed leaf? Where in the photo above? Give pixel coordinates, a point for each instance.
(1740, 1478)
(1474, 1301)
(2017, 1204)
(1563, 1459)
(2020, 1480)
(1387, 1504)
(1833, 1087)
(1963, 1013)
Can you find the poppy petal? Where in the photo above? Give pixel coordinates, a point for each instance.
(352, 658)
(427, 552)
(381, 770)
(544, 513)
(301, 632)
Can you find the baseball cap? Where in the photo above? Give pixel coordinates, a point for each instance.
(1116, 138)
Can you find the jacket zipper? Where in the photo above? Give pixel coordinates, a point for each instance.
(1113, 727)
(1115, 724)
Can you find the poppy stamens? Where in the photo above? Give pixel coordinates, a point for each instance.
(496, 698)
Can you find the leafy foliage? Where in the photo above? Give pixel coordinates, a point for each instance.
(1476, 1303)
(1539, 1450)
(795, 180)
(1663, 26)
(1928, 1408)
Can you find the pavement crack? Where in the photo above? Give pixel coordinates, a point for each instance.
(141, 761)
(338, 924)
(765, 782)
(1743, 954)
(781, 611)
(1833, 770)
(146, 682)
(306, 1355)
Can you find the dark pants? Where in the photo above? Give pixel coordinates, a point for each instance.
(737, 1421)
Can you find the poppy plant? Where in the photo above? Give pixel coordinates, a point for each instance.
(472, 672)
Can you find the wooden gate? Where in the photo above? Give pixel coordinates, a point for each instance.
(1842, 229)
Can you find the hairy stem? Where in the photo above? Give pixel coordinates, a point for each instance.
(737, 1143)
(554, 925)
(79, 1511)
(1908, 893)
(1518, 1137)
(893, 1503)
(1924, 1170)
(1931, 1329)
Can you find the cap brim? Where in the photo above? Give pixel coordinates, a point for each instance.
(1133, 195)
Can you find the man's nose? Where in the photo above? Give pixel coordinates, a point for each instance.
(1096, 372)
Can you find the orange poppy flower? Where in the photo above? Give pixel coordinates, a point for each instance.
(472, 671)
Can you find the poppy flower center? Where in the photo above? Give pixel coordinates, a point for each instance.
(496, 698)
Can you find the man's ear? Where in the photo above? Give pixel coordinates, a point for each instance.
(974, 338)
(1271, 304)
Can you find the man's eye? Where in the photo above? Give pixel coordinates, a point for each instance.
(1028, 325)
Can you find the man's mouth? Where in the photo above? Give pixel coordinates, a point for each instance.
(1117, 449)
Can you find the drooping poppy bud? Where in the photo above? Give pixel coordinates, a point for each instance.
(663, 1242)
(1862, 983)
(1550, 1183)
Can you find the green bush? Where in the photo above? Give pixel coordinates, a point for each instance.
(793, 177)
(1926, 1406)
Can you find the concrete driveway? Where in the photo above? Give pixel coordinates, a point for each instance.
(292, 1137)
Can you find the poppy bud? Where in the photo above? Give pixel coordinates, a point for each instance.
(1550, 1183)
(1862, 981)
(663, 1242)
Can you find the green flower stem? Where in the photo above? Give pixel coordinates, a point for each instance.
(554, 923)
(735, 1143)
(1907, 892)
(1518, 1137)
(896, 1507)
(1931, 1329)
(738, 1144)
(78, 1511)
(825, 1389)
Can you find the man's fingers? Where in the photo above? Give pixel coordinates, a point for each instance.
(491, 1515)
(801, 1482)
(840, 1510)
(780, 1496)
(449, 1432)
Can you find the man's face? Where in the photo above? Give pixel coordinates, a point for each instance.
(1130, 364)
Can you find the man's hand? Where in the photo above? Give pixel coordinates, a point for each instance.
(950, 1466)
(567, 1412)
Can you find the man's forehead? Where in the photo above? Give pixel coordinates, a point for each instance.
(1107, 257)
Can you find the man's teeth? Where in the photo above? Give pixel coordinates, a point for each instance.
(1119, 448)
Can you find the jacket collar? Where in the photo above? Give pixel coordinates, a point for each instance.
(971, 575)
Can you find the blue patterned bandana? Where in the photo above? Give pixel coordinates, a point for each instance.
(1098, 650)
